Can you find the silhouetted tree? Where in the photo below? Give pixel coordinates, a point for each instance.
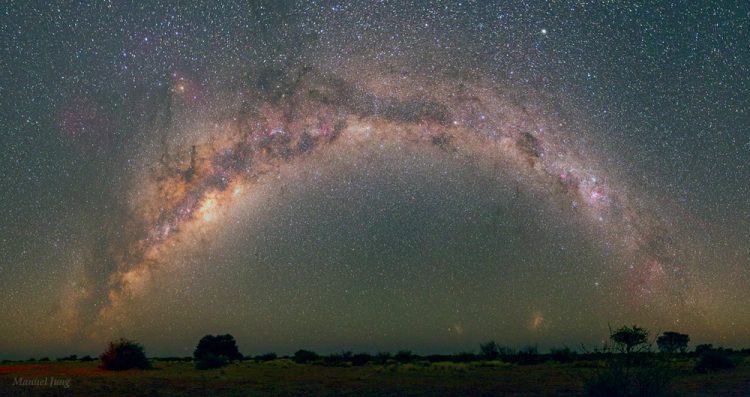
(630, 339)
(124, 354)
(305, 356)
(670, 342)
(219, 345)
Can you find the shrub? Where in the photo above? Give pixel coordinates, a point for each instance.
(463, 357)
(334, 360)
(619, 380)
(210, 361)
(302, 356)
(124, 354)
(529, 355)
(360, 359)
(404, 356)
(382, 357)
(449, 366)
(87, 358)
(713, 360)
(489, 350)
(700, 349)
(219, 345)
(265, 357)
(563, 355)
(281, 363)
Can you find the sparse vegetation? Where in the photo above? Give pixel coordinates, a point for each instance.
(632, 372)
(621, 380)
(712, 360)
(418, 378)
(562, 355)
(626, 368)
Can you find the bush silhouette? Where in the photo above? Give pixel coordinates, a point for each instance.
(528, 355)
(700, 349)
(360, 359)
(671, 342)
(334, 359)
(489, 350)
(404, 356)
(219, 345)
(305, 356)
(210, 361)
(124, 354)
(265, 357)
(562, 355)
(712, 360)
(216, 351)
(382, 357)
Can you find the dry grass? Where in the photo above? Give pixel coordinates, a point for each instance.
(285, 378)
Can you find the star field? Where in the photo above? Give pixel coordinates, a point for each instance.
(372, 176)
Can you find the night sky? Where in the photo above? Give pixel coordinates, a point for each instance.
(372, 176)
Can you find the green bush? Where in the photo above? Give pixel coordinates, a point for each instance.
(124, 354)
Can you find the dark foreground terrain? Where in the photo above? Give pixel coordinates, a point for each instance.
(283, 377)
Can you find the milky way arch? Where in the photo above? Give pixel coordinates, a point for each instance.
(286, 117)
